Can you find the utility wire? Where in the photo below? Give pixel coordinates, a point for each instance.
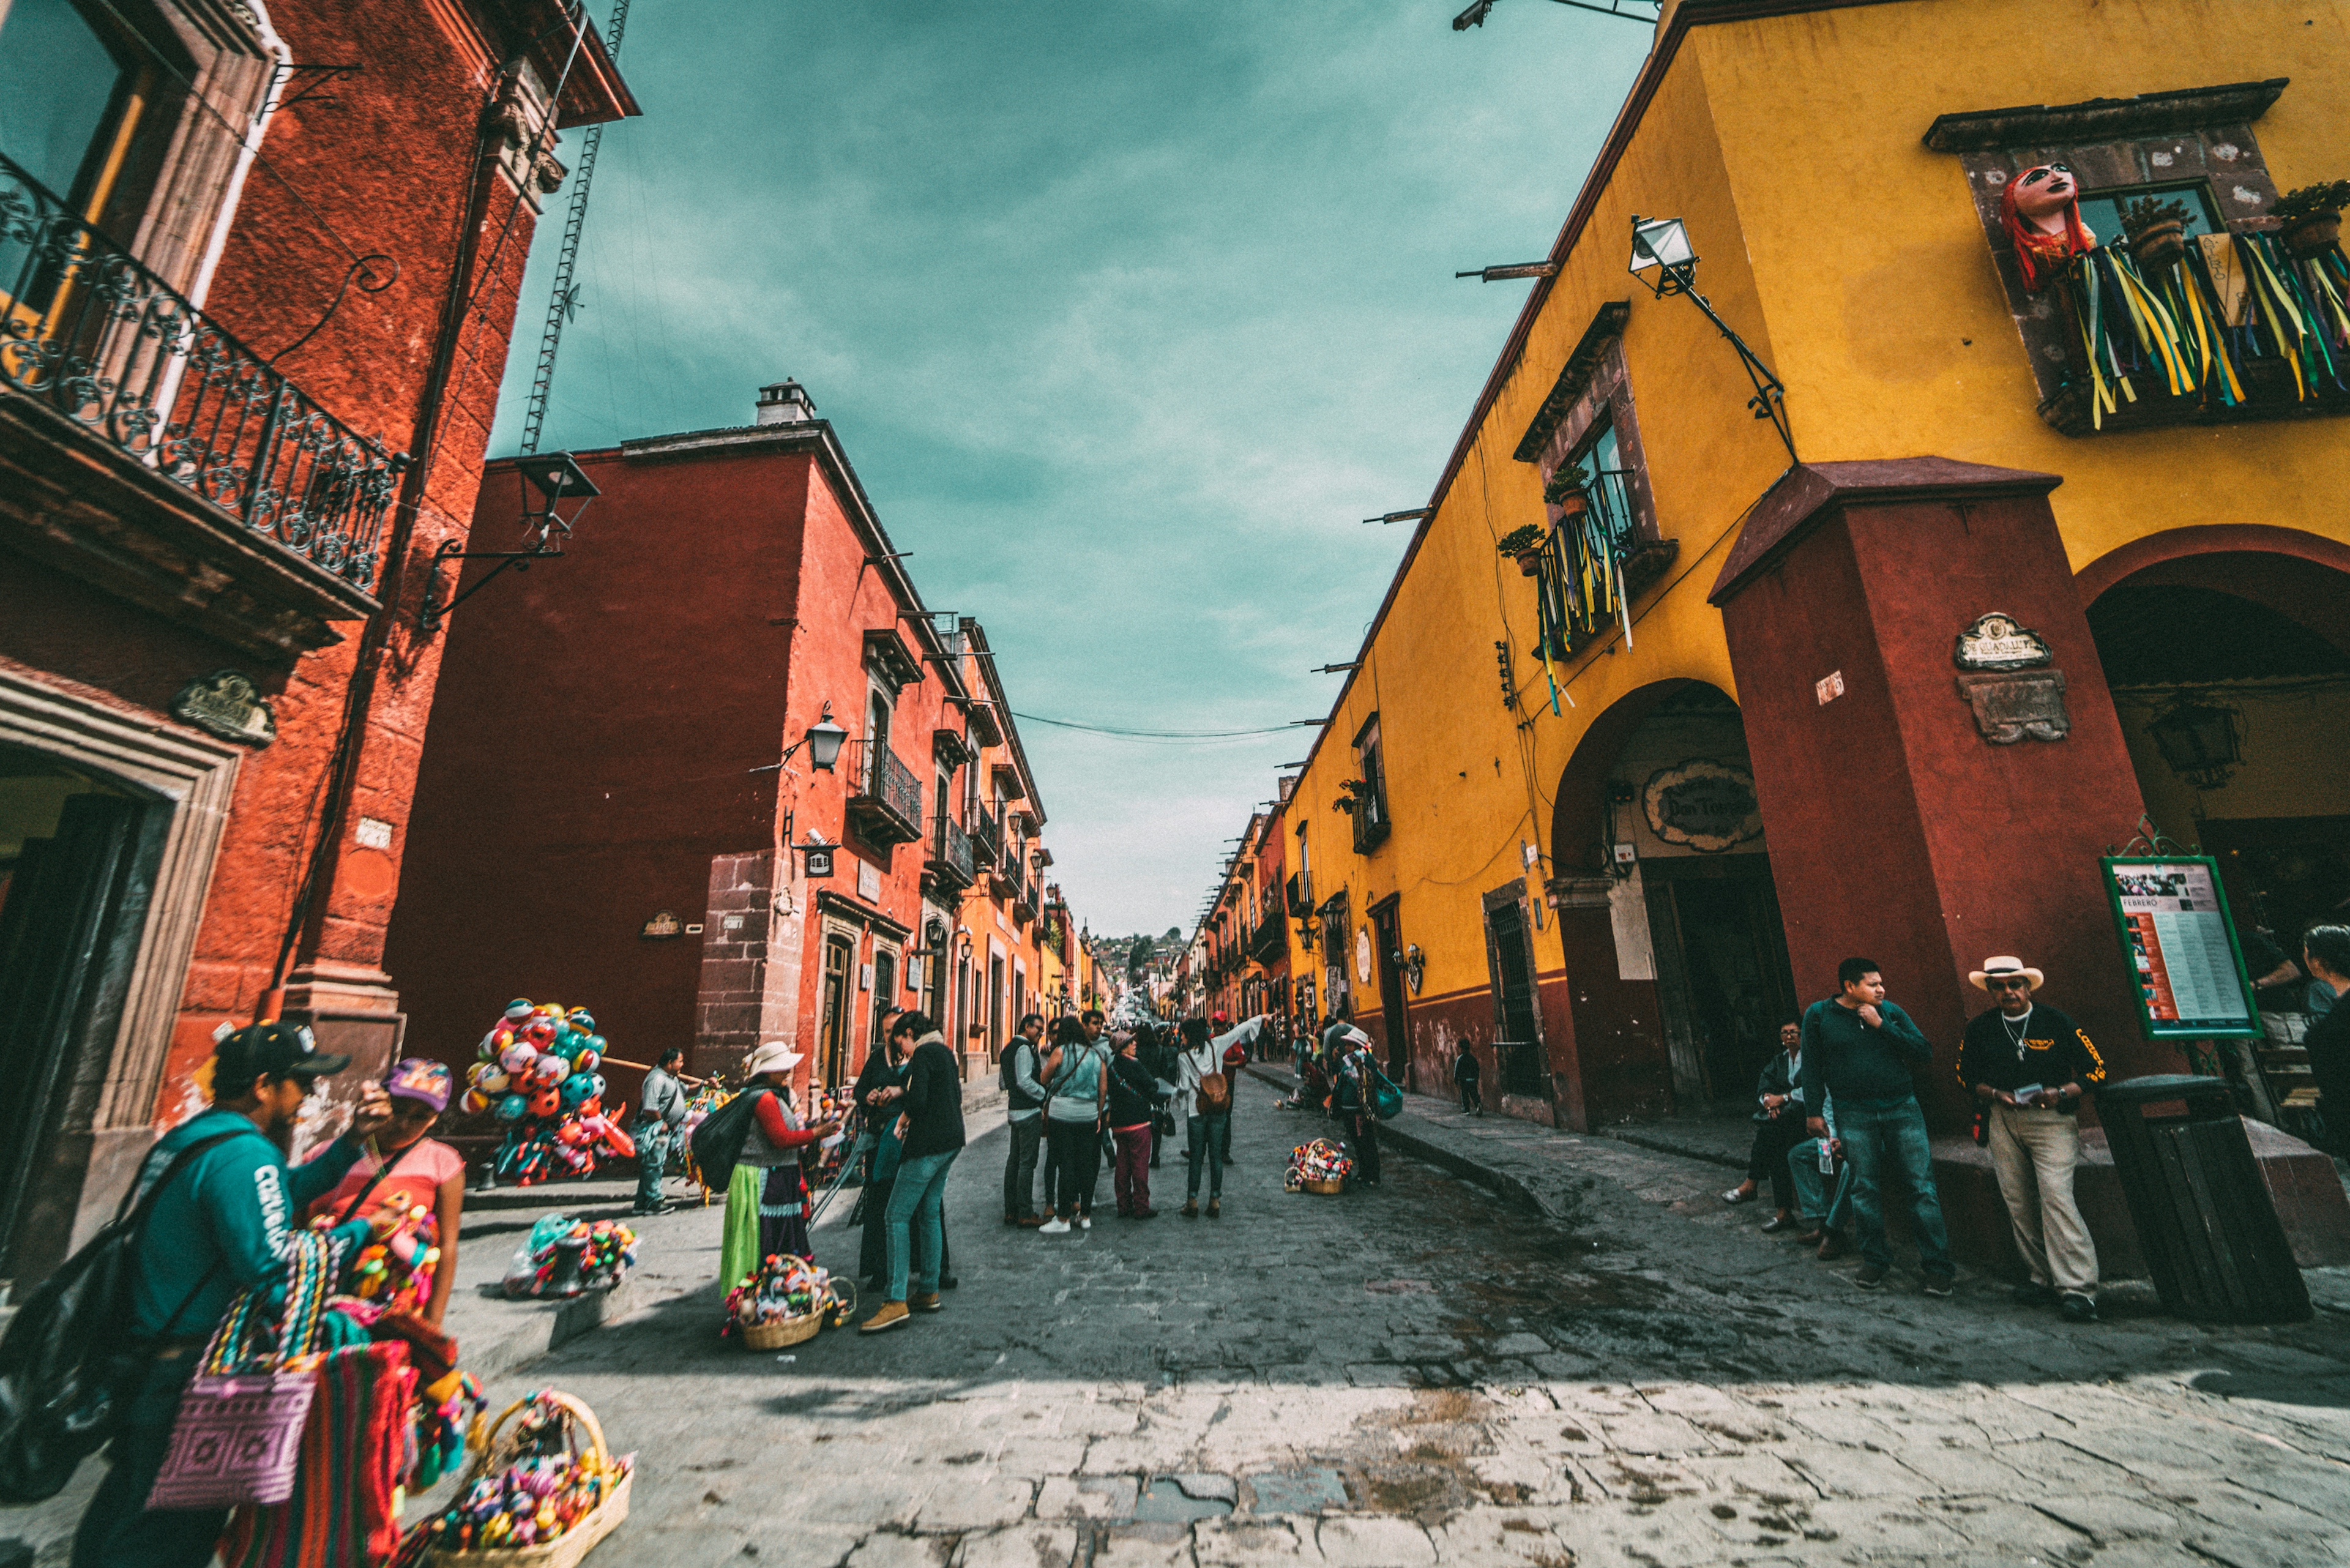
(1151, 734)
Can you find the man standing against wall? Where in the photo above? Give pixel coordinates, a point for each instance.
(1859, 1047)
(2028, 1066)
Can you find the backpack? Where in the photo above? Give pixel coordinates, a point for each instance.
(66, 1377)
(718, 1141)
(1216, 1096)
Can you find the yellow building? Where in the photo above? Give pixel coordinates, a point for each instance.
(1611, 873)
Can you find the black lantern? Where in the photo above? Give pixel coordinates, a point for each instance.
(548, 480)
(824, 740)
(1664, 243)
(2198, 742)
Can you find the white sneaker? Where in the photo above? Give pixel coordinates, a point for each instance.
(1057, 1226)
(1084, 1222)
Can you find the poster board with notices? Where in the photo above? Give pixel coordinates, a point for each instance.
(2188, 971)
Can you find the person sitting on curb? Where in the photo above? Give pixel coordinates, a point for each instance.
(1858, 1046)
(1824, 1214)
(1778, 1128)
(2028, 1066)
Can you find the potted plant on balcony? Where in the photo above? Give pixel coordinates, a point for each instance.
(1352, 792)
(1526, 545)
(2312, 217)
(1569, 490)
(2157, 231)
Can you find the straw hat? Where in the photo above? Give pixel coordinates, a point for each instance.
(2005, 964)
(775, 1056)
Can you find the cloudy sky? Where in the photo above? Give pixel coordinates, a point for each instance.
(1126, 312)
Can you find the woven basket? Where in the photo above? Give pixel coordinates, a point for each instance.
(839, 1308)
(1328, 1188)
(566, 1549)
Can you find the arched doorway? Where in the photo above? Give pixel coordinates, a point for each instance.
(2231, 676)
(1677, 963)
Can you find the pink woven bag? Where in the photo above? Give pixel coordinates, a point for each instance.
(238, 1435)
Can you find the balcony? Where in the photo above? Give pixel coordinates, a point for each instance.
(986, 840)
(1372, 824)
(1024, 901)
(886, 808)
(949, 865)
(2233, 328)
(145, 450)
(1270, 940)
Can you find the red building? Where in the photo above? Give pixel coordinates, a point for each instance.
(258, 310)
(624, 804)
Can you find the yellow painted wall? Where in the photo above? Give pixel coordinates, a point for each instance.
(1851, 258)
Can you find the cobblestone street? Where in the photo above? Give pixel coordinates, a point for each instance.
(1422, 1373)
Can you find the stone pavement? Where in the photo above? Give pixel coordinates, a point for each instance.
(1425, 1372)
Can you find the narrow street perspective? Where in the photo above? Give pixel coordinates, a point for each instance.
(1553, 782)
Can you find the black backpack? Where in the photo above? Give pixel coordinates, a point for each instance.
(67, 1375)
(718, 1141)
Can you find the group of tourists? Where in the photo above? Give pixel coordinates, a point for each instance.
(1090, 1094)
(1838, 1127)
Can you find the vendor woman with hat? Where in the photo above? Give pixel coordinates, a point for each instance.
(767, 1200)
(2028, 1066)
(403, 1171)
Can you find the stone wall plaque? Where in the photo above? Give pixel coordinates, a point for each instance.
(1996, 642)
(661, 927)
(2012, 707)
(1708, 806)
(226, 703)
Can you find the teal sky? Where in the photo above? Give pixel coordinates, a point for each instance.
(1127, 313)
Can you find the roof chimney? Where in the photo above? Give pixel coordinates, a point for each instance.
(784, 403)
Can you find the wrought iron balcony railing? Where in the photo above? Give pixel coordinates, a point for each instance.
(93, 335)
(888, 805)
(950, 858)
(986, 839)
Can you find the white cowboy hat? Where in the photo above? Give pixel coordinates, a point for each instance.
(1357, 1038)
(2005, 964)
(775, 1056)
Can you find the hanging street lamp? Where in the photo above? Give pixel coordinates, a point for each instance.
(1664, 243)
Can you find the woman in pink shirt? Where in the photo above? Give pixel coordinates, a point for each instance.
(401, 1171)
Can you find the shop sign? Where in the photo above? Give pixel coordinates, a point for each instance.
(1363, 954)
(661, 927)
(1708, 806)
(1996, 642)
(818, 861)
(226, 703)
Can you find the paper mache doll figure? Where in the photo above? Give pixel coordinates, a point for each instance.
(2042, 211)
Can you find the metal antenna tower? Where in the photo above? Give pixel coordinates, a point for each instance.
(560, 308)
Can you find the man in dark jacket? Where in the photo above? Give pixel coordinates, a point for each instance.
(218, 1229)
(2028, 1066)
(933, 1137)
(1859, 1047)
(1778, 1128)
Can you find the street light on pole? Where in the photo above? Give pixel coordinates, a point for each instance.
(1664, 243)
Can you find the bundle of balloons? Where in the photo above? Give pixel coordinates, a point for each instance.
(605, 1249)
(538, 1075)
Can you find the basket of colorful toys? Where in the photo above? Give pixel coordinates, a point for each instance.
(538, 1076)
(534, 1497)
(1320, 1167)
(567, 1257)
(786, 1303)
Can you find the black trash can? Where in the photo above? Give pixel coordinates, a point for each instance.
(2210, 1236)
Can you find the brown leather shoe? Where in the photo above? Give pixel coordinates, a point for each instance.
(929, 1302)
(1030, 1222)
(1813, 1237)
(889, 1314)
(1834, 1247)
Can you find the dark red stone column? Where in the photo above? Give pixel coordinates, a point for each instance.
(1896, 828)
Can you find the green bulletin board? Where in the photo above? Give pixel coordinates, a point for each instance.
(2188, 971)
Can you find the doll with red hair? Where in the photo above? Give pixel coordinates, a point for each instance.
(2041, 210)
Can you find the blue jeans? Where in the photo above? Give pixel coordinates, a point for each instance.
(1211, 1137)
(1884, 1138)
(914, 1219)
(652, 1159)
(1803, 1165)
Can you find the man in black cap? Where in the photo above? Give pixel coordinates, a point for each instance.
(220, 1227)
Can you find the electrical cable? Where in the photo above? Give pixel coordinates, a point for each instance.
(1151, 734)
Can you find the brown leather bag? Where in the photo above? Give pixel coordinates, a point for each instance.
(1216, 1096)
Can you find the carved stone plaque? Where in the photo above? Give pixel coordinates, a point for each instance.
(226, 703)
(2012, 707)
(1996, 642)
